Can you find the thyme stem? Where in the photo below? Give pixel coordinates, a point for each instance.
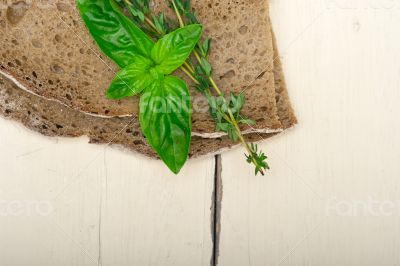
(151, 24)
(181, 23)
(189, 67)
(189, 70)
(232, 119)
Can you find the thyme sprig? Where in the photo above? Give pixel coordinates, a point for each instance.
(226, 113)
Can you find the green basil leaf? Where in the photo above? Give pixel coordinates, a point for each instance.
(117, 36)
(165, 120)
(132, 79)
(171, 51)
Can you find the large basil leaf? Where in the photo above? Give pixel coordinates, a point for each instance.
(171, 51)
(117, 36)
(132, 79)
(165, 120)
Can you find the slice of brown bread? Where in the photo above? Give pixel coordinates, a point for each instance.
(54, 119)
(47, 48)
(285, 110)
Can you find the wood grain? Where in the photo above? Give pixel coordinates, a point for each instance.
(332, 196)
(64, 202)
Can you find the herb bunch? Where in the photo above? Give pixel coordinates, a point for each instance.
(226, 113)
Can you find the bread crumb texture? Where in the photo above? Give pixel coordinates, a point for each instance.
(48, 49)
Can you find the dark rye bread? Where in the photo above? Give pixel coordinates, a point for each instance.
(48, 50)
(54, 119)
(285, 110)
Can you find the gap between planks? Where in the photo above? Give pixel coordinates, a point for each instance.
(216, 210)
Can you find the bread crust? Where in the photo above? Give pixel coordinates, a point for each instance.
(58, 60)
(54, 119)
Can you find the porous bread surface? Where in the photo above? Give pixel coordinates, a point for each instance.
(285, 110)
(48, 49)
(54, 119)
(242, 54)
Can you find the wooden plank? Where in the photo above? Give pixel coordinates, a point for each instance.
(332, 196)
(65, 202)
(151, 217)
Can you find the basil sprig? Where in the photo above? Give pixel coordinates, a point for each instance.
(165, 108)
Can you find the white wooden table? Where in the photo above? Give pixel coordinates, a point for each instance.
(331, 198)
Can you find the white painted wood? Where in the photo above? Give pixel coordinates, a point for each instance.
(65, 202)
(332, 196)
(164, 219)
